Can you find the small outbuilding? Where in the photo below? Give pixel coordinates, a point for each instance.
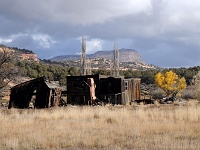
(117, 90)
(114, 90)
(37, 93)
(79, 88)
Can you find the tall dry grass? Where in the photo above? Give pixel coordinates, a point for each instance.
(143, 127)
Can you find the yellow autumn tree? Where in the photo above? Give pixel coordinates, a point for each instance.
(170, 83)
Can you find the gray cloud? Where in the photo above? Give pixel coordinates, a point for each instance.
(165, 33)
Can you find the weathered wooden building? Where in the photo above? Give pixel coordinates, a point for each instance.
(38, 92)
(117, 90)
(114, 90)
(132, 90)
(78, 88)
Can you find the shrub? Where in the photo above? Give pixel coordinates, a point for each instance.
(157, 94)
(189, 93)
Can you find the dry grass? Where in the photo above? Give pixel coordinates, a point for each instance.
(130, 127)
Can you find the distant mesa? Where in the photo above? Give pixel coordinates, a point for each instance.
(129, 59)
(125, 55)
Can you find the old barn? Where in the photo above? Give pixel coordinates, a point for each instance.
(39, 93)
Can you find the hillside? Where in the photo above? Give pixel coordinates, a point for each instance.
(125, 55)
(20, 54)
(129, 59)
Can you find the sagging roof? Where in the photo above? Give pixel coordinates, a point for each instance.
(50, 84)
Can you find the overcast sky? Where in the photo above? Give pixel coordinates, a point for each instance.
(166, 33)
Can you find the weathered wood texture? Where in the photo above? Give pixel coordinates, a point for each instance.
(42, 93)
(78, 88)
(114, 90)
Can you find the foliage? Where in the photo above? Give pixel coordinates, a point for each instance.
(196, 86)
(103, 72)
(189, 93)
(188, 73)
(147, 76)
(54, 72)
(157, 94)
(59, 71)
(196, 79)
(24, 51)
(169, 82)
(7, 68)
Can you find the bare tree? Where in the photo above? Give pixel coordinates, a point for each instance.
(83, 57)
(7, 67)
(196, 79)
(116, 61)
(196, 86)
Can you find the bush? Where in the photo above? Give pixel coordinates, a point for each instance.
(197, 93)
(189, 93)
(157, 94)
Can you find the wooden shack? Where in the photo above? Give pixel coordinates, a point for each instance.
(117, 90)
(37, 93)
(78, 88)
(132, 90)
(114, 90)
(111, 90)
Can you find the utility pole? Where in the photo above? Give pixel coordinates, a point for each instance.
(83, 57)
(116, 61)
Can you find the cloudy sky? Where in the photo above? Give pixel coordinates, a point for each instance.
(166, 33)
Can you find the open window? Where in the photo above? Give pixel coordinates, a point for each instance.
(126, 85)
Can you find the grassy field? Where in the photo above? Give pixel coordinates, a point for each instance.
(107, 127)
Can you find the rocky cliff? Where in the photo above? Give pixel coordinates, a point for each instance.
(125, 55)
(29, 57)
(21, 54)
